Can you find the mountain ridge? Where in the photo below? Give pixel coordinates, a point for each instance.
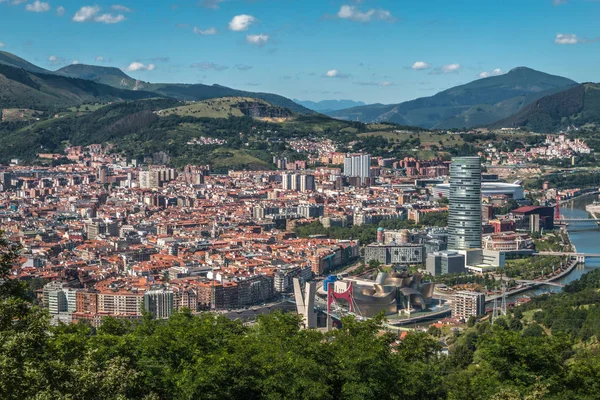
(479, 102)
(116, 78)
(578, 106)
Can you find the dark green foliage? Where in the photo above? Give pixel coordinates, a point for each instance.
(578, 106)
(368, 233)
(567, 180)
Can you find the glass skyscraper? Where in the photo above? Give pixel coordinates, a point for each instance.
(464, 217)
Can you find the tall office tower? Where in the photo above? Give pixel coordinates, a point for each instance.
(464, 217)
(357, 165)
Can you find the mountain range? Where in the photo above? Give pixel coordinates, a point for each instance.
(104, 84)
(325, 106)
(477, 103)
(522, 97)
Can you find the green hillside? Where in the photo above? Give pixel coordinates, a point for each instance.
(20, 88)
(180, 91)
(106, 75)
(578, 106)
(169, 130)
(477, 103)
(15, 61)
(229, 107)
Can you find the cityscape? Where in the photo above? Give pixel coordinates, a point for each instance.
(178, 228)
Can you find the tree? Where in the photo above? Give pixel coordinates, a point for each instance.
(9, 253)
(434, 331)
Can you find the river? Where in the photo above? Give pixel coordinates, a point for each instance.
(585, 238)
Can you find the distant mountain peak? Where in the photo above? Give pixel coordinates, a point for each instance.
(81, 70)
(517, 69)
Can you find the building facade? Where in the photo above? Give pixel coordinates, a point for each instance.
(467, 304)
(445, 262)
(357, 165)
(402, 253)
(159, 303)
(464, 217)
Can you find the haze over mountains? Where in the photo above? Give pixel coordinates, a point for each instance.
(477, 103)
(325, 106)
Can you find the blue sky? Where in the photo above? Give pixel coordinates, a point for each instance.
(371, 50)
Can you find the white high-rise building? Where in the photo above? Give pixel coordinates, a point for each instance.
(357, 165)
(301, 182)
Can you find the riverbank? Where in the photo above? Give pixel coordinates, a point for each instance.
(579, 196)
(593, 209)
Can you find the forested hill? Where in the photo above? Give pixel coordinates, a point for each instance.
(119, 80)
(20, 88)
(168, 129)
(545, 350)
(576, 106)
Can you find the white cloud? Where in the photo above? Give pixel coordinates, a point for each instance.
(75, 62)
(243, 67)
(559, 2)
(495, 72)
(86, 13)
(241, 22)
(450, 68)
(110, 18)
(60, 11)
(334, 73)
(56, 60)
(138, 66)
(38, 6)
(99, 58)
(353, 13)
(386, 83)
(420, 65)
(17, 2)
(257, 40)
(209, 31)
(2, 44)
(121, 8)
(205, 65)
(567, 38)
(90, 13)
